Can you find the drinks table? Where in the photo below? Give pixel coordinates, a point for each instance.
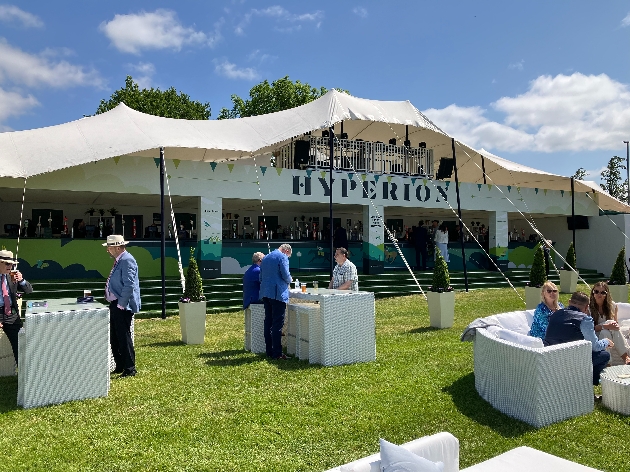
(616, 388)
(342, 331)
(64, 353)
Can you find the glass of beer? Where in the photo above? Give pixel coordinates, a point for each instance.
(303, 288)
(87, 293)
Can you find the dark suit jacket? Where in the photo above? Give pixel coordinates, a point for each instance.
(25, 287)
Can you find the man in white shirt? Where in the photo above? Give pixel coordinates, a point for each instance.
(345, 275)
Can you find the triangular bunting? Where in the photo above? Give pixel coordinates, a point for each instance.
(479, 187)
(562, 193)
(157, 162)
(376, 177)
(489, 186)
(447, 183)
(279, 170)
(247, 169)
(309, 172)
(350, 175)
(176, 162)
(545, 190)
(413, 181)
(116, 159)
(518, 189)
(536, 190)
(389, 179)
(363, 177)
(213, 165)
(509, 187)
(263, 169)
(424, 182)
(230, 167)
(323, 174)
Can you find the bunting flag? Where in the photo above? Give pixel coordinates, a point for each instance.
(509, 187)
(413, 181)
(116, 159)
(350, 175)
(518, 189)
(309, 172)
(545, 190)
(323, 174)
(168, 177)
(536, 190)
(389, 179)
(230, 167)
(176, 162)
(279, 170)
(247, 169)
(479, 187)
(570, 193)
(263, 169)
(213, 165)
(363, 177)
(376, 177)
(562, 193)
(447, 183)
(157, 162)
(489, 186)
(424, 182)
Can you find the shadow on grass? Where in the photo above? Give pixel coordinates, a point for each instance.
(8, 394)
(423, 329)
(235, 357)
(167, 344)
(470, 404)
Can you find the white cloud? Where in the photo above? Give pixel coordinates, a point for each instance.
(360, 11)
(626, 21)
(517, 65)
(14, 104)
(257, 56)
(160, 29)
(280, 14)
(37, 70)
(561, 113)
(146, 71)
(231, 71)
(11, 13)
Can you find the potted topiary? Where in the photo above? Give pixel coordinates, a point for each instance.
(617, 283)
(537, 278)
(441, 297)
(192, 306)
(569, 273)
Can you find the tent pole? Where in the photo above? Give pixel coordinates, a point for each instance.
(459, 213)
(573, 213)
(331, 143)
(163, 239)
(483, 168)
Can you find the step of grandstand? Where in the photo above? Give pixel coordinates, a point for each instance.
(225, 293)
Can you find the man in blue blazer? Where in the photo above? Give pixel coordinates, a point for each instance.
(274, 291)
(122, 291)
(251, 281)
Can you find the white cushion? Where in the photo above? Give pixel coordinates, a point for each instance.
(514, 321)
(518, 338)
(623, 311)
(494, 330)
(398, 459)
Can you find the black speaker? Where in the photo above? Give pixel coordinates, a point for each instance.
(423, 144)
(392, 141)
(300, 157)
(580, 222)
(343, 136)
(407, 143)
(446, 168)
(325, 133)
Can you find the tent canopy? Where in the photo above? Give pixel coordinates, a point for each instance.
(124, 131)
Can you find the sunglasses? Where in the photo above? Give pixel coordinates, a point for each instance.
(597, 292)
(8, 263)
(549, 290)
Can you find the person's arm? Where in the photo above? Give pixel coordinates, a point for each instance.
(345, 286)
(539, 323)
(588, 331)
(129, 269)
(284, 270)
(331, 281)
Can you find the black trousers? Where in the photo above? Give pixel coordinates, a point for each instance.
(120, 338)
(11, 330)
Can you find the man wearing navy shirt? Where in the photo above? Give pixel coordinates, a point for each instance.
(11, 281)
(251, 281)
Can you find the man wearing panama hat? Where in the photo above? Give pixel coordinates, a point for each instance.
(11, 281)
(122, 291)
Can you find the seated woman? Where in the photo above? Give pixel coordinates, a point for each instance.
(544, 310)
(604, 313)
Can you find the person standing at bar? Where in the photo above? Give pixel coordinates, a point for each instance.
(122, 291)
(11, 281)
(274, 291)
(251, 281)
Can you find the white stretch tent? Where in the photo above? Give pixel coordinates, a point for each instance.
(124, 131)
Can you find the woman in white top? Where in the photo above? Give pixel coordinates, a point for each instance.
(604, 313)
(441, 241)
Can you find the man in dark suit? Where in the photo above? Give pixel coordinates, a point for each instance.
(420, 239)
(122, 291)
(11, 281)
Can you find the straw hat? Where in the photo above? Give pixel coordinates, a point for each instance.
(7, 256)
(115, 240)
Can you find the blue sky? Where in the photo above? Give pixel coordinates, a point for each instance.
(541, 83)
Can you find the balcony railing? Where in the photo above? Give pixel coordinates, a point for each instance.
(356, 156)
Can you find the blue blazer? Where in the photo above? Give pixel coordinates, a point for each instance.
(124, 283)
(251, 286)
(275, 276)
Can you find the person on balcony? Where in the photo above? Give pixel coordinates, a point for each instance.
(574, 323)
(545, 309)
(604, 312)
(251, 281)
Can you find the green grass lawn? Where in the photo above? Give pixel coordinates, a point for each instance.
(217, 407)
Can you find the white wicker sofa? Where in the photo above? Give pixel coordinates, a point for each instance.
(444, 447)
(521, 378)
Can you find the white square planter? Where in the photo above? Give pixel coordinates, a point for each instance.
(192, 320)
(568, 281)
(441, 309)
(532, 297)
(619, 293)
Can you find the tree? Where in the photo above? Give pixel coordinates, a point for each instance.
(580, 174)
(167, 103)
(194, 286)
(613, 183)
(618, 273)
(264, 98)
(537, 275)
(571, 260)
(441, 276)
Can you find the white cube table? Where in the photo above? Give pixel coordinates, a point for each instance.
(64, 353)
(616, 389)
